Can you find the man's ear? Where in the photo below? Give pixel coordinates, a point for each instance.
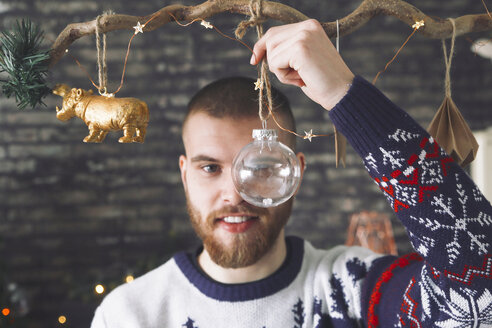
(183, 168)
(302, 160)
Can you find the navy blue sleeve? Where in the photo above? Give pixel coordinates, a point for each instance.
(446, 216)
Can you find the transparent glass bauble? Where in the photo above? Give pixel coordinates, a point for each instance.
(266, 172)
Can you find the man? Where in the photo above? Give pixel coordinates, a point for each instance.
(249, 275)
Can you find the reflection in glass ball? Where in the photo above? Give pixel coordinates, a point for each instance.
(266, 172)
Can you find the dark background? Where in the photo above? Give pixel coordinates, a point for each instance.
(74, 214)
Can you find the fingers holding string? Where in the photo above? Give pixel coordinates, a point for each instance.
(268, 41)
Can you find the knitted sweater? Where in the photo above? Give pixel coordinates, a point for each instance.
(448, 283)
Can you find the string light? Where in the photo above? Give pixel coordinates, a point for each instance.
(416, 26)
(138, 28)
(62, 319)
(309, 135)
(5, 311)
(129, 278)
(206, 24)
(128, 51)
(99, 289)
(258, 83)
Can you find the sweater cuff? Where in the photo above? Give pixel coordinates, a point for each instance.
(365, 116)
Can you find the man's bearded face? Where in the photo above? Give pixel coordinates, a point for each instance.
(234, 233)
(261, 230)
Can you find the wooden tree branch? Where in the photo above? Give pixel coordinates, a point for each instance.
(434, 28)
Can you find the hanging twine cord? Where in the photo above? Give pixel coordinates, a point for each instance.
(101, 56)
(448, 59)
(256, 19)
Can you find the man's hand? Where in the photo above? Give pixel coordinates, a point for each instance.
(301, 54)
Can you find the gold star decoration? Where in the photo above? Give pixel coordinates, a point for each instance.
(258, 84)
(418, 24)
(206, 24)
(139, 28)
(309, 135)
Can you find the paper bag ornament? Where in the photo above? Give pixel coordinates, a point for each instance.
(448, 126)
(452, 133)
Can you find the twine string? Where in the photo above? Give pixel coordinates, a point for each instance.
(256, 19)
(265, 81)
(101, 57)
(338, 37)
(448, 59)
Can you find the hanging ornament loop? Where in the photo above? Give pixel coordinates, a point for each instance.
(101, 57)
(263, 83)
(448, 59)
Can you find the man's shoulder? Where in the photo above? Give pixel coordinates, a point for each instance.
(131, 304)
(145, 285)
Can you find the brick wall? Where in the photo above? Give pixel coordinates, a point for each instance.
(73, 214)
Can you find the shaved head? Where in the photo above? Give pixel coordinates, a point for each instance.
(236, 98)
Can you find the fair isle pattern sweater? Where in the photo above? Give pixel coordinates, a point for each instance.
(447, 283)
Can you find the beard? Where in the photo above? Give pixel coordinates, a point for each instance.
(248, 247)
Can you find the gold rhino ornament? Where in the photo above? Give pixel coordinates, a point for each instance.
(103, 114)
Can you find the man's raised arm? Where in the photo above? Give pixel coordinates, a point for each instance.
(449, 284)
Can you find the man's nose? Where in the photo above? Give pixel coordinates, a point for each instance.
(229, 192)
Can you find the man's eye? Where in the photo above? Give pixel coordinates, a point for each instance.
(211, 168)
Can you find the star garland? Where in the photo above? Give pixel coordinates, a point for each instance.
(416, 26)
(258, 84)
